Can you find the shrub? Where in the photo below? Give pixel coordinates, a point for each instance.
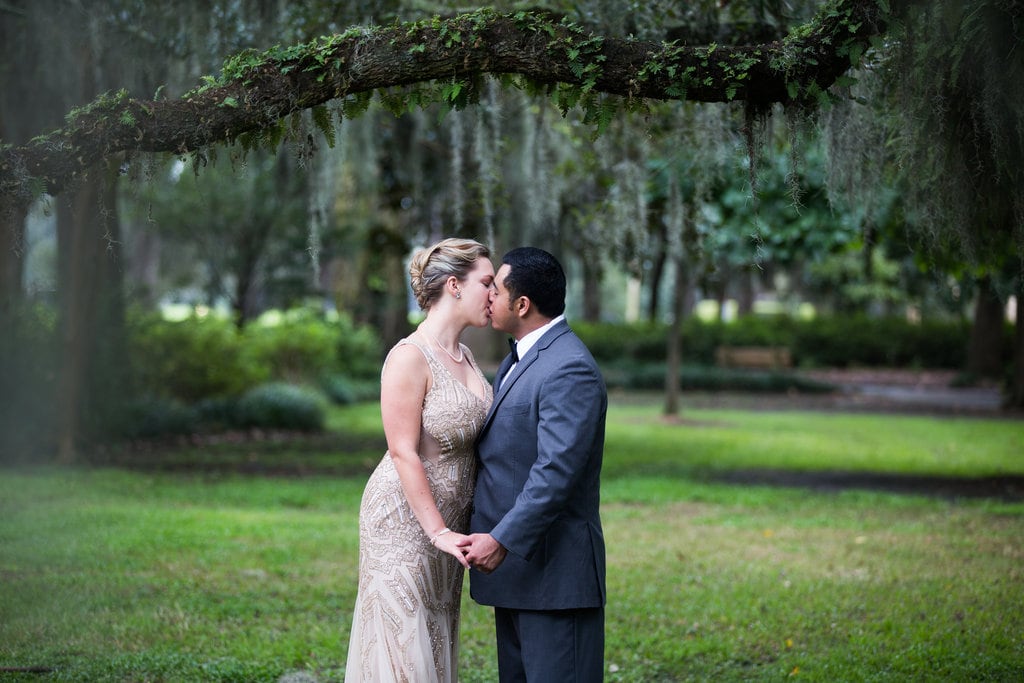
(277, 405)
(192, 359)
(153, 417)
(300, 348)
(613, 342)
(651, 376)
(217, 413)
(358, 351)
(826, 341)
(304, 347)
(344, 390)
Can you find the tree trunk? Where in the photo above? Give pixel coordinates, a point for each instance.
(90, 382)
(673, 355)
(745, 296)
(657, 226)
(12, 261)
(985, 347)
(591, 290)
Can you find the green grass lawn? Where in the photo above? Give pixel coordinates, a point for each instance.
(237, 561)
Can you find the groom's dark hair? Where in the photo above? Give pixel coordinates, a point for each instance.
(537, 275)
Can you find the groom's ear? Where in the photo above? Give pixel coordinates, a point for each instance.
(523, 306)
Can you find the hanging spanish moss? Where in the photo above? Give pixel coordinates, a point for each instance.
(627, 202)
(857, 158)
(534, 166)
(320, 197)
(456, 181)
(957, 102)
(485, 145)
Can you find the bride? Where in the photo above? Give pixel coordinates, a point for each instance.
(415, 507)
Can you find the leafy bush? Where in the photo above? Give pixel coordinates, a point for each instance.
(886, 342)
(358, 351)
(344, 390)
(300, 347)
(218, 413)
(191, 359)
(612, 341)
(304, 345)
(651, 376)
(827, 341)
(197, 359)
(152, 417)
(277, 405)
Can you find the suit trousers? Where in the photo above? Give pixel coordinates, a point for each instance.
(557, 646)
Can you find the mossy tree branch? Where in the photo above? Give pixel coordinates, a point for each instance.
(256, 91)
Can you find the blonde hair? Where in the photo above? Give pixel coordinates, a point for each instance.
(431, 267)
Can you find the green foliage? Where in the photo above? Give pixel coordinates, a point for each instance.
(609, 342)
(304, 347)
(343, 390)
(844, 341)
(157, 417)
(202, 357)
(324, 123)
(198, 374)
(651, 377)
(299, 348)
(277, 405)
(825, 341)
(843, 23)
(191, 359)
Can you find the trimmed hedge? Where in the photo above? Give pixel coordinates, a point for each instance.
(829, 341)
(651, 377)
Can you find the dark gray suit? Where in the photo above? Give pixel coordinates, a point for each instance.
(538, 491)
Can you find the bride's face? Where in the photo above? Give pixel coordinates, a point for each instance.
(476, 292)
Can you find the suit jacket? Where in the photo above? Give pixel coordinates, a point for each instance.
(538, 483)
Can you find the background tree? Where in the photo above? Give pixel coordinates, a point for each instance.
(946, 99)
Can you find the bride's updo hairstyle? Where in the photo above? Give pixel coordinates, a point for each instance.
(431, 267)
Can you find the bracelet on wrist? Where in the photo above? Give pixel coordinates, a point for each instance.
(440, 533)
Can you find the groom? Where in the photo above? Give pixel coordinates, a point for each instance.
(536, 542)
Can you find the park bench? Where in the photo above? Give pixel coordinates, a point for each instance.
(755, 357)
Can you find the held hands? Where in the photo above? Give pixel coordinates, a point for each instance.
(482, 552)
(447, 541)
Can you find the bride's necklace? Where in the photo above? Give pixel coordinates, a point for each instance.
(462, 354)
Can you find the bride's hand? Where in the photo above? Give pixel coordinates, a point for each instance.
(449, 543)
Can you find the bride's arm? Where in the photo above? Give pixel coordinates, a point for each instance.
(404, 384)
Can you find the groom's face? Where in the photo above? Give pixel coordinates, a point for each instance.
(502, 317)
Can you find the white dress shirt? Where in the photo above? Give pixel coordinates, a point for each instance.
(527, 342)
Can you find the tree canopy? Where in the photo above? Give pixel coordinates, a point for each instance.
(442, 59)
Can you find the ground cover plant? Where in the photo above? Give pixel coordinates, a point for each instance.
(237, 560)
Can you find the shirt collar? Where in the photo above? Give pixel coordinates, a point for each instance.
(527, 342)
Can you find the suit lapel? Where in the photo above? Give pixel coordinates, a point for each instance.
(524, 364)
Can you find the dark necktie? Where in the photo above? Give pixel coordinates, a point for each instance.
(512, 346)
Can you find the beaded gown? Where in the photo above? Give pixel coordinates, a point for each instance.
(406, 621)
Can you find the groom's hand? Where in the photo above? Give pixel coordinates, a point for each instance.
(483, 552)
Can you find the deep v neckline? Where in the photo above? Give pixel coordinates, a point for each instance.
(476, 374)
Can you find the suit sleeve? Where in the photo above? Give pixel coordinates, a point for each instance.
(571, 403)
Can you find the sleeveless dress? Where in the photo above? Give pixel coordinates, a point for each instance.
(406, 621)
